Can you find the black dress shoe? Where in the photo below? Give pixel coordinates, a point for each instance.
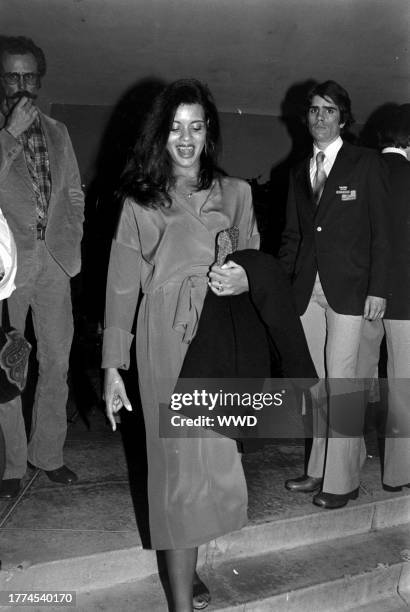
(304, 484)
(395, 489)
(9, 488)
(63, 475)
(331, 501)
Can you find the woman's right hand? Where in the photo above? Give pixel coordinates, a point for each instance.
(114, 395)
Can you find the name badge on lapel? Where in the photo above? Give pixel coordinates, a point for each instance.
(346, 194)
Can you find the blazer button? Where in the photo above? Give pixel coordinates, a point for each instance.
(318, 229)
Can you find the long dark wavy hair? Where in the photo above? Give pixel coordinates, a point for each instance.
(148, 175)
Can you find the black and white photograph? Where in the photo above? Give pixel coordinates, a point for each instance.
(205, 305)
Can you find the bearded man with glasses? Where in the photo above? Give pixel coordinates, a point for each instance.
(42, 200)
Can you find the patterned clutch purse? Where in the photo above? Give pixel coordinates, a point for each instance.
(14, 356)
(226, 243)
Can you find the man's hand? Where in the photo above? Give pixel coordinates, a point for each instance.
(229, 279)
(374, 308)
(114, 395)
(21, 117)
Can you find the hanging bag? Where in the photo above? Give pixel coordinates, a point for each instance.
(14, 356)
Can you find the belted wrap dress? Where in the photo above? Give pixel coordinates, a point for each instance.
(196, 486)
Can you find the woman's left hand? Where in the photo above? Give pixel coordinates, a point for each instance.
(229, 279)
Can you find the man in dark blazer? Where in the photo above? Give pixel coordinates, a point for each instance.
(335, 251)
(42, 200)
(394, 140)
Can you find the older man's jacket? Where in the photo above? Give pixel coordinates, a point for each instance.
(66, 207)
(344, 238)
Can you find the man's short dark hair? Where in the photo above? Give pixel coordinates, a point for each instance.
(395, 129)
(21, 45)
(331, 89)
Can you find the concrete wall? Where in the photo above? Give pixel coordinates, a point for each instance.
(252, 144)
(249, 51)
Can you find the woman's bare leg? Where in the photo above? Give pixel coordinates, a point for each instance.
(181, 566)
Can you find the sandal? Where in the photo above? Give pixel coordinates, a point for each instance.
(201, 595)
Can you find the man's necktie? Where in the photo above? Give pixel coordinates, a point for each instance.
(320, 177)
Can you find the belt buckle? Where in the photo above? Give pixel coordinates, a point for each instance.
(41, 232)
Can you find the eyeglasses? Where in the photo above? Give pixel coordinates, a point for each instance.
(12, 78)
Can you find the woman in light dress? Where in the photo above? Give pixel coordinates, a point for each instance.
(176, 200)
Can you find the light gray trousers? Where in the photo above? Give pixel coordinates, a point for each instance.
(48, 294)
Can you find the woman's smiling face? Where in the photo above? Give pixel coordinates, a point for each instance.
(187, 136)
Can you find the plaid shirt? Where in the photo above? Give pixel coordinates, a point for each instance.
(38, 164)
